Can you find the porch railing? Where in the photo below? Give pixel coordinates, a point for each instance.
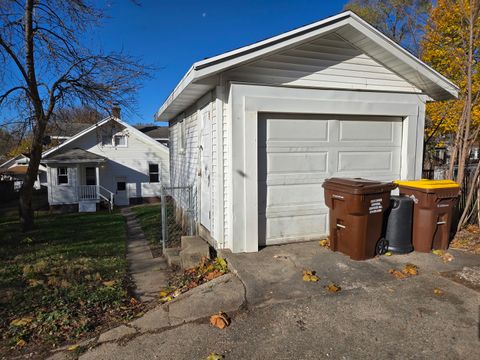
(96, 192)
(88, 192)
(106, 195)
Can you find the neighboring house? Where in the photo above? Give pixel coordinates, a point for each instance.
(15, 169)
(109, 161)
(158, 133)
(257, 130)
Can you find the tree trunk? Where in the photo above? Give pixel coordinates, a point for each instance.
(26, 208)
(473, 188)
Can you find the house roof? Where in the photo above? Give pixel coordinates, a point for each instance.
(93, 127)
(199, 78)
(154, 131)
(66, 129)
(75, 155)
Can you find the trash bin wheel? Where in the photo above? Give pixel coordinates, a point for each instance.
(382, 246)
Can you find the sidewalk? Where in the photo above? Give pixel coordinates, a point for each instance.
(149, 274)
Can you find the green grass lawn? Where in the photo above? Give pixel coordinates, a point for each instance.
(63, 280)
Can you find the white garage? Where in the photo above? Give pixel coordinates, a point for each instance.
(257, 130)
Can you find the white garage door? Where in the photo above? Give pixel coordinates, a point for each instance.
(297, 152)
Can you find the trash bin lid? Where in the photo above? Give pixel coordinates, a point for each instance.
(428, 185)
(358, 186)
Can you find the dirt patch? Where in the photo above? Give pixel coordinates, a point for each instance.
(468, 239)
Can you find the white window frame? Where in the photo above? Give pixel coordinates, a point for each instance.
(112, 140)
(120, 135)
(63, 175)
(150, 173)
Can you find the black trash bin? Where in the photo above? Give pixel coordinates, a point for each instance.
(398, 228)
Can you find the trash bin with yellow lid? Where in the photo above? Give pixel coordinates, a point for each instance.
(434, 201)
(356, 209)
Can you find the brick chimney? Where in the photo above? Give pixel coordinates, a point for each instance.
(116, 110)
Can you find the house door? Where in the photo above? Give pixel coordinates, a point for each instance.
(205, 166)
(121, 197)
(90, 176)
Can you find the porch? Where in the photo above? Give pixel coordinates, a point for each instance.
(74, 178)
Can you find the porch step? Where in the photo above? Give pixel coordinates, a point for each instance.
(172, 255)
(194, 248)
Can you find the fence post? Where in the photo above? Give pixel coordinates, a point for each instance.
(163, 199)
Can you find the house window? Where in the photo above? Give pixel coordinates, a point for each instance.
(106, 140)
(182, 137)
(62, 175)
(153, 171)
(120, 140)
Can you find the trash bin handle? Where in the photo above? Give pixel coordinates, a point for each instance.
(341, 226)
(441, 222)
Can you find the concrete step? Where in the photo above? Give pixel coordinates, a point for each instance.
(193, 250)
(172, 255)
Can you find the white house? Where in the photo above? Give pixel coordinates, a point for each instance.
(15, 169)
(258, 129)
(109, 161)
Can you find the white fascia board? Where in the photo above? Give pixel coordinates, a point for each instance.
(78, 135)
(209, 67)
(411, 60)
(138, 133)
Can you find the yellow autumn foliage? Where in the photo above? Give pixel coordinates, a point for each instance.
(445, 48)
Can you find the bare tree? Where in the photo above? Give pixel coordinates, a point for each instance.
(47, 67)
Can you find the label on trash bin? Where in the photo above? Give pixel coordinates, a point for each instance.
(335, 196)
(375, 206)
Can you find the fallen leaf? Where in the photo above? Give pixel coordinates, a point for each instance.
(21, 343)
(163, 293)
(447, 257)
(388, 253)
(109, 283)
(410, 269)
(438, 252)
(310, 275)
(437, 291)
(98, 276)
(21, 321)
(324, 243)
(332, 287)
(222, 264)
(397, 274)
(212, 275)
(34, 282)
(214, 356)
(220, 320)
(72, 348)
(133, 301)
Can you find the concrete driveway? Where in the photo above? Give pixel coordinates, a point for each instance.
(374, 315)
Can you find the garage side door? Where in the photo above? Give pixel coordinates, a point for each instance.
(297, 152)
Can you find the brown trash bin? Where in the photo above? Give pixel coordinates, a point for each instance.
(356, 215)
(433, 204)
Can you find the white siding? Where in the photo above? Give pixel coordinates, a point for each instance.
(64, 193)
(327, 62)
(184, 164)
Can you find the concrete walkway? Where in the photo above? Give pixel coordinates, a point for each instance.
(276, 315)
(149, 274)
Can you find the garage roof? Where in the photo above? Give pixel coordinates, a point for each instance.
(350, 26)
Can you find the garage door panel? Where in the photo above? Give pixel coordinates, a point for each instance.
(294, 195)
(305, 162)
(295, 130)
(283, 229)
(297, 152)
(363, 160)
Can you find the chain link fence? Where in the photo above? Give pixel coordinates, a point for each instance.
(177, 214)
